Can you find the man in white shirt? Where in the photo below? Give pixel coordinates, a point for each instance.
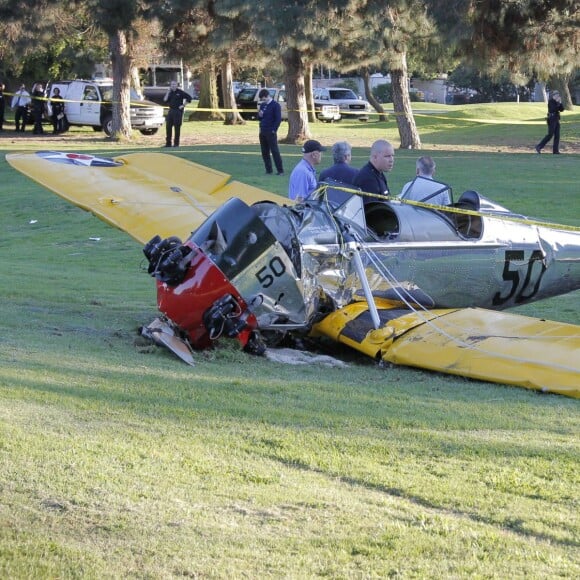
(424, 187)
(20, 102)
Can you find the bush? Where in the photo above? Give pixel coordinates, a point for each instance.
(383, 93)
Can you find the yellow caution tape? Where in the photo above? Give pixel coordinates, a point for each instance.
(452, 209)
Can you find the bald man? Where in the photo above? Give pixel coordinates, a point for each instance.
(371, 178)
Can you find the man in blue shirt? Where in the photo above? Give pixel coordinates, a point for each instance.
(303, 177)
(270, 115)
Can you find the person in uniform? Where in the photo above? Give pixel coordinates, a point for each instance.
(176, 100)
(555, 107)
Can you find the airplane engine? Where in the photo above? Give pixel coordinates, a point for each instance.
(229, 278)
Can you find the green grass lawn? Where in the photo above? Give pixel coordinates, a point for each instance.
(117, 460)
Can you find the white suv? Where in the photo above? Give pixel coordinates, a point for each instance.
(91, 103)
(349, 105)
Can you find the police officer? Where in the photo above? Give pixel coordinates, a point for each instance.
(57, 108)
(38, 106)
(555, 107)
(2, 106)
(175, 99)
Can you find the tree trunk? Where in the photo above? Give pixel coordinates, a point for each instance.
(208, 106)
(560, 84)
(308, 91)
(121, 61)
(366, 77)
(231, 110)
(298, 129)
(402, 105)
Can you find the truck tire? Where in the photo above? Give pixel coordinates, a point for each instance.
(148, 131)
(108, 125)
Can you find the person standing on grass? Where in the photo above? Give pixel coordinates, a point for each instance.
(2, 106)
(20, 102)
(371, 178)
(57, 111)
(555, 107)
(38, 106)
(303, 177)
(270, 116)
(175, 99)
(341, 170)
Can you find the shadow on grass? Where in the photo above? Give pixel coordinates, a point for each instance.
(512, 525)
(237, 387)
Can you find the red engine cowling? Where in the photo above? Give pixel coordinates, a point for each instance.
(205, 305)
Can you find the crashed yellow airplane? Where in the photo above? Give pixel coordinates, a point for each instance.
(405, 282)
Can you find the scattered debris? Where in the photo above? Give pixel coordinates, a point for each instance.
(301, 357)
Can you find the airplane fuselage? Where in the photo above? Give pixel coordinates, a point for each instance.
(290, 266)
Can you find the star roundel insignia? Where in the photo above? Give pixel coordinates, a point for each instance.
(78, 159)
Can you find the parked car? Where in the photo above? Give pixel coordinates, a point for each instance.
(326, 112)
(247, 102)
(90, 103)
(350, 106)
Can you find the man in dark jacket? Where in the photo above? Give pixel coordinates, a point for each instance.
(341, 170)
(371, 178)
(2, 106)
(175, 99)
(38, 106)
(270, 115)
(57, 111)
(555, 107)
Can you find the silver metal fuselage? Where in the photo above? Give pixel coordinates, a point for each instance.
(491, 258)
(437, 257)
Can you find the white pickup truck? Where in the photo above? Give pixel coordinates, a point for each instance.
(90, 103)
(247, 101)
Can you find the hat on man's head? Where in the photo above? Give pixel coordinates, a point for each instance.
(312, 145)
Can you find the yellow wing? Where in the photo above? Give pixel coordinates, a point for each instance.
(143, 194)
(470, 342)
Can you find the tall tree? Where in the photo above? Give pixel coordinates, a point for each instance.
(298, 128)
(392, 31)
(187, 25)
(48, 42)
(537, 37)
(117, 19)
(303, 32)
(370, 97)
(213, 36)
